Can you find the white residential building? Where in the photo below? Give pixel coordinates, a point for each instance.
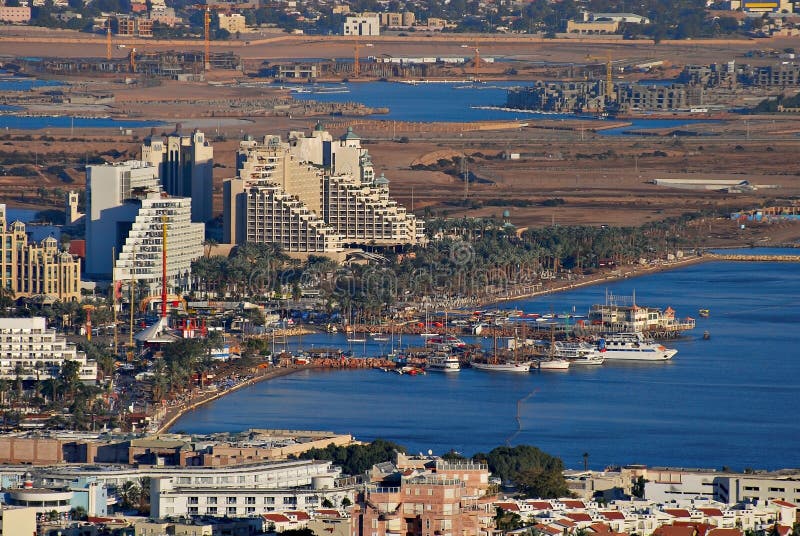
(39, 351)
(110, 188)
(362, 25)
(141, 252)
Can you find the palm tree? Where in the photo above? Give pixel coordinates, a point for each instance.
(585, 461)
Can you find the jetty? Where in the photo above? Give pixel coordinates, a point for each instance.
(752, 258)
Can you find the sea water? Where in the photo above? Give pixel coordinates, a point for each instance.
(729, 400)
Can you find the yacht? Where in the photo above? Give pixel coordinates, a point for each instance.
(551, 363)
(578, 353)
(633, 347)
(442, 361)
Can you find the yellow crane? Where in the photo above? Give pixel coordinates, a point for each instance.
(611, 95)
(108, 38)
(206, 8)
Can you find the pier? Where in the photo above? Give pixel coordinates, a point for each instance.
(752, 258)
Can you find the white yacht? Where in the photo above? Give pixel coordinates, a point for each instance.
(499, 366)
(443, 362)
(578, 353)
(633, 347)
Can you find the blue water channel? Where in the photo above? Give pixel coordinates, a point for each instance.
(452, 102)
(728, 401)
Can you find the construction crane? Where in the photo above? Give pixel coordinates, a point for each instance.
(206, 8)
(357, 58)
(477, 61)
(108, 38)
(610, 93)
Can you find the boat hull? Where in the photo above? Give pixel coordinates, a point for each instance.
(502, 367)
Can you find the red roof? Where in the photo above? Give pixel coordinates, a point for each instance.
(599, 527)
(548, 529)
(674, 530)
(564, 522)
(784, 503)
(276, 518)
(299, 516)
(573, 504)
(541, 505)
(701, 528)
(677, 512)
(725, 532)
(612, 515)
(510, 506)
(711, 512)
(579, 517)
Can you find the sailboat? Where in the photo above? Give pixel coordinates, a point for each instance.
(495, 364)
(551, 361)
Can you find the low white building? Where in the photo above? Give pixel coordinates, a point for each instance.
(27, 346)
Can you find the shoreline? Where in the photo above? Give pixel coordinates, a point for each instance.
(173, 415)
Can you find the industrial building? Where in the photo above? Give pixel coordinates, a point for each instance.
(29, 269)
(38, 351)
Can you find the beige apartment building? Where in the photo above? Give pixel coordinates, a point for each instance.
(29, 269)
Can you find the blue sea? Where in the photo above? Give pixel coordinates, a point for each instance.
(454, 103)
(730, 400)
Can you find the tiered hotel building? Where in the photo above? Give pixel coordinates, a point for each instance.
(313, 194)
(31, 351)
(126, 212)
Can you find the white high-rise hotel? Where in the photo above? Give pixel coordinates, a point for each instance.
(126, 212)
(313, 194)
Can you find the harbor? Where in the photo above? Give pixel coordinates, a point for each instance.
(629, 409)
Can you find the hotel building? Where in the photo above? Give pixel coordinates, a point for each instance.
(40, 352)
(29, 269)
(127, 211)
(313, 194)
(185, 167)
(140, 257)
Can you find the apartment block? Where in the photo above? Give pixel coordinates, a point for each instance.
(30, 350)
(185, 166)
(30, 269)
(135, 26)
(233, 23)
(15, 15)
(17, 520)
(362, 25)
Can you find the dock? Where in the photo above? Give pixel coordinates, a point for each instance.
(752, 258)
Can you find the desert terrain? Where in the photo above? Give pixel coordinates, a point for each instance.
(565, 173)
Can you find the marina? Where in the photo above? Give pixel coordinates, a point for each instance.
(705, 407)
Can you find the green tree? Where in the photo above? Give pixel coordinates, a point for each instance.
(536, 473)
(638, 487)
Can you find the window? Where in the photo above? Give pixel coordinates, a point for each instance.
(250, 510)
(250, 500)
(211, 511)
(269, 500)
(192, 511)
(211, 500)
(192, 500)
(231, 510)
(230, 500)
